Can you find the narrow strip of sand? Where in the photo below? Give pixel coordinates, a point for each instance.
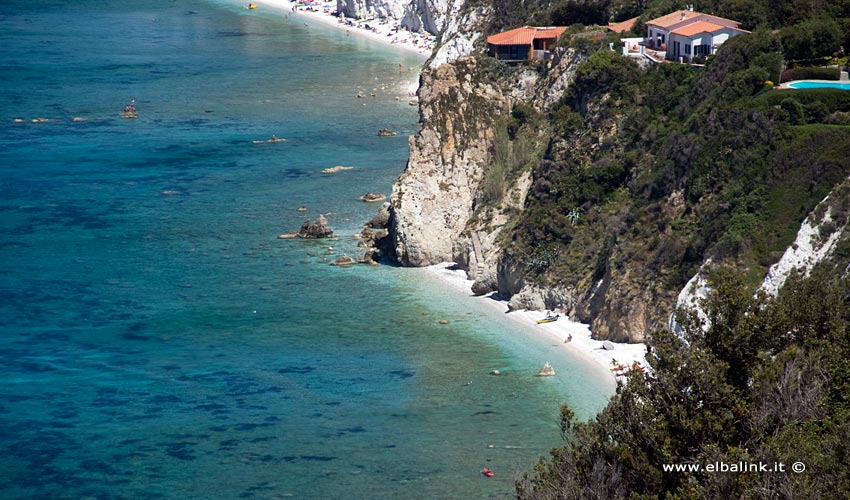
(574, 336)
(385, 32)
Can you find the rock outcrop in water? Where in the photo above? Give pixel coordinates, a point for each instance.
(318, 229)
(433, 199)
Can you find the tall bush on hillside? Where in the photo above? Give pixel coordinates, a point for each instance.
(587, 12)
(811, 39)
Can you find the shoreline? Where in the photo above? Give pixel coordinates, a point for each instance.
(581, 344)
(422, 45)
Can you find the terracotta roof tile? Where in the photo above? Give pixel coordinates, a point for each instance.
(676, 18)
(622, 26)
(525, 35)
(697, 27)
(673, 18)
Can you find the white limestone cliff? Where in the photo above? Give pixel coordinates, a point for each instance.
(433, 199)
(412, 15)
(815, 242)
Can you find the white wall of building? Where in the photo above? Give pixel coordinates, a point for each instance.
(712, 40)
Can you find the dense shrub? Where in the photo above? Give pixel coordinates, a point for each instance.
(795, 111)
(586, 12)
(838, 118)
(811, 39)
(833, 99)
(810, 73)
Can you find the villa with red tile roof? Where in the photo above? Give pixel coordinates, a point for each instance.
(524, 43)
(686, 34)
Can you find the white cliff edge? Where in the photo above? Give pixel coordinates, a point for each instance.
(809, 248)
(691, 297)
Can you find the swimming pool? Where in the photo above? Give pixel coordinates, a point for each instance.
(816, 84)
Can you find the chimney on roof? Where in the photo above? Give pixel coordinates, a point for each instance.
(683, 15)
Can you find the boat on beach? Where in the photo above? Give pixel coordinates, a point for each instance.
(549, 319)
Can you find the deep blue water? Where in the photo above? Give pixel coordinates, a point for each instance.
(158, 341)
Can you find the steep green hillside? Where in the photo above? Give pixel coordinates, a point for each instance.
(646, 173)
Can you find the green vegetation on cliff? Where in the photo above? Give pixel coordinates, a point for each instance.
(649, 172)
(808, 30)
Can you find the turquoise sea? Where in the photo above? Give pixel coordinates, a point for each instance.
(158, 341)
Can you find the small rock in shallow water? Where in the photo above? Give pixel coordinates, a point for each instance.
(344, 261)
(495, 372)
(444, 322)
(372, 197)
(546, 371)
(333, 170)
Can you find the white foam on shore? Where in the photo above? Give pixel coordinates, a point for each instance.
(419, 43)
(561, 330)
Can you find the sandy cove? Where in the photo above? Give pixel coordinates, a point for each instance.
(419, 43)
(622, 355)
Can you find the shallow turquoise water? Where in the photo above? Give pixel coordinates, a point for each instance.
(158, 341)
(803, 84)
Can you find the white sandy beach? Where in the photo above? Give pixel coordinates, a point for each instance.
(561, 330)
(386, 32)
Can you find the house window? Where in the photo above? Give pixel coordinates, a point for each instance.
(687, 49)
(661, 38)
(702, 50)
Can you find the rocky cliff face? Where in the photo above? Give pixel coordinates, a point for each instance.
(413, 15)
(381, 8)
(433, 199)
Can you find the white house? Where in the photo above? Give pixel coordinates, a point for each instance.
(686, 34)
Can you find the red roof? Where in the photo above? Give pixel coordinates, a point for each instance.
(683, 15)
(698, 27)
(673, 18)
(622, 26)
(525, 35)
